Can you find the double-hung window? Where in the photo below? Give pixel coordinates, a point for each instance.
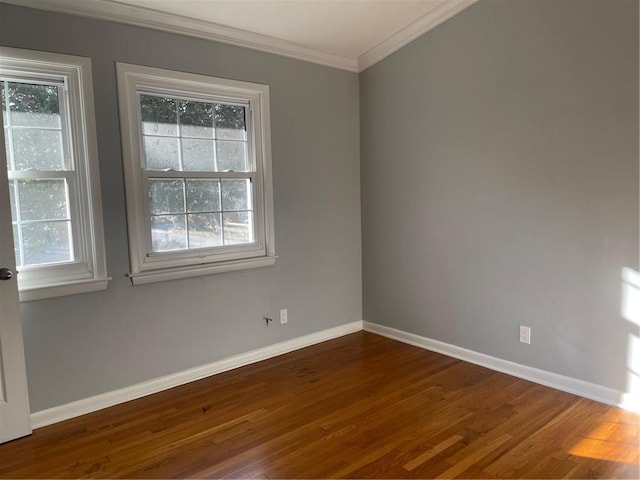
(197, 171)
(51, 153)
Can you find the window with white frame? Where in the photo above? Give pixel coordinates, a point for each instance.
(197, 165)
(52, 164)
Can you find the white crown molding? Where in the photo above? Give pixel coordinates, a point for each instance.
(592, 391)
(115, 11)
(149, 18)
(98, 402)
(409, 33)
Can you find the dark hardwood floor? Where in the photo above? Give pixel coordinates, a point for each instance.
(361, 406)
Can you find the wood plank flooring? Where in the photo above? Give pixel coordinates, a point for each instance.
(361, 406)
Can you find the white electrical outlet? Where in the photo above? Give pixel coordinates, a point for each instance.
(283, 316)
(525, 334)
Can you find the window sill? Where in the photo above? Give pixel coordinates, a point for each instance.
(62, 289)
(200, 270)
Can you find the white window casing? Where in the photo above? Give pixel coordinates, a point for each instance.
(147, 265)
(86, 270)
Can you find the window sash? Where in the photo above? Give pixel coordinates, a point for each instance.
(150, 174)
(72, 198)
(207, 254)
(65, 116)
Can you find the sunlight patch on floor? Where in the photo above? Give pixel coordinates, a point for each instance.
(615, 439)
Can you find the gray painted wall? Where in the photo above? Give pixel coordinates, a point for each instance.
(84, 345)
(499, 159)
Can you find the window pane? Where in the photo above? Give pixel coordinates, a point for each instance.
(34, 105)
(159, 115)
(197, 155)
(237, 228)
(166, 196)
(12, 199)
(47, 242)
(232, 156)
(230, 122)
(37, 149)
(196, 119)
(161, 153)
(4, 107)
(168, 232)
(204, 230)
(6, 147)
(16, 247)
(42, 200)
(203, 195)
(236, 194)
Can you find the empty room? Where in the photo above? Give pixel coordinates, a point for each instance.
(319, 239)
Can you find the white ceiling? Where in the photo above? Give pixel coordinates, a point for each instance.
(348, 34)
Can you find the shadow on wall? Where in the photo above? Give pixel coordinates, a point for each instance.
(630, 310)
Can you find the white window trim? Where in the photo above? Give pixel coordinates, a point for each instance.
(147, 267)
(88, 273)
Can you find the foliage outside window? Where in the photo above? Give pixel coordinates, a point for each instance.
(51, 157)
(197, 168)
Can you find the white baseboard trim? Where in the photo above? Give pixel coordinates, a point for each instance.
(98, 402)
(578, 387)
